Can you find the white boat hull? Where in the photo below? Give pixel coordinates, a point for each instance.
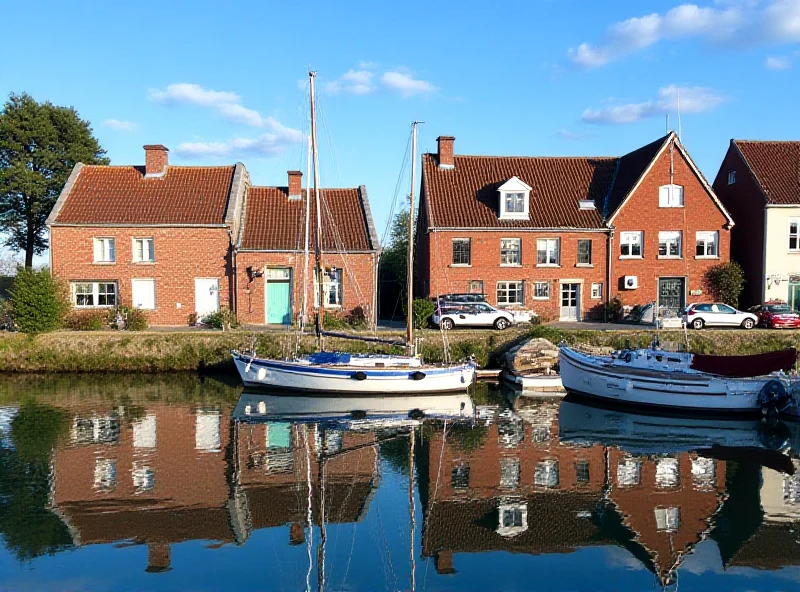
(602, 378)
(362, 380)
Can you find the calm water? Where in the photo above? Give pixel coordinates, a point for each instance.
(165, 484)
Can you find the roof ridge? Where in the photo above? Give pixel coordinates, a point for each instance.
(305, 188)
(766, 141)
(433, 154)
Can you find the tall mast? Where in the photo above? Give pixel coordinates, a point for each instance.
(318, 238)
(304, 314)
(410, 281)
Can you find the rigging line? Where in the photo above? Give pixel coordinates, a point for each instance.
(398, 185)
(330, 143)
(427, 519)
(340, 247)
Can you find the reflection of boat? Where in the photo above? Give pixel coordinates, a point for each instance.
(681, 381)
(256, 406)
(586, 422)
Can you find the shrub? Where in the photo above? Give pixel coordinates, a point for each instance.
(129, 319)
(335, 321)
(614, 309)
(86, 320)
(6, 316)
(725, 282)
(192, 319)
(422, 310)
(222, 319)
(357, 318)
(38, 301)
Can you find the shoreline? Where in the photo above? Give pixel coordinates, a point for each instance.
(155, 352)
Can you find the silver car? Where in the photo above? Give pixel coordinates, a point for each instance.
(717, 314)
(472, 315)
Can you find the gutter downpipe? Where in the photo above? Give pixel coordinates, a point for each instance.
(610, 259)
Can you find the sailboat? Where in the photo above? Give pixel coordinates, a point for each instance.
(340, 372)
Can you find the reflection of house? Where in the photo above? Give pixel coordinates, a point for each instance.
(666, 502)
(519, 490)
(155, 477)
(272, 474)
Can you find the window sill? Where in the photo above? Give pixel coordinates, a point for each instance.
(460, 265)
(104, 262)
(791, 252)
(584, 265)
(541, 297)
(525, 216)
(510, 305)
(675, 257)
(92, 306)
(670, 207)
(511, 265)
(706, 257)
(634, 257)
(143, 262)
(596, 298)
(547, 265)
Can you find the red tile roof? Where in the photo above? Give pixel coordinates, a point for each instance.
(776, 167)
(273, 222)
(123, 195)
(466, 195)
(631, 167)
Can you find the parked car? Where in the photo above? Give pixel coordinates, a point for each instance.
(459, 298)
(776, 315)
(717, 314)
(478, 314)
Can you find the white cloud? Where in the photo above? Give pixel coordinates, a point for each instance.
(356, 82)
(362, 65)
(227, 104)
(266, 145)
(778, 63)
(569, 135)
(743, 21)
(404, 82)
(120, 125)
(695, 99)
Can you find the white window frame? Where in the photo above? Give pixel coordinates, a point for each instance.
(668, 238)
(514, 186)
(507, 290)
(152, 282)
(145, 241)
(795, 236)
(552, 251)
(597, 291)
(507, 253)
(514, 508)
(670, 196)
(331, 287)
(104, 249)
(95, 294)
(702, 237)
(625, 241)
(452, 252)
(731, 177)
(536, 286)
(667, 519)
(580, 263)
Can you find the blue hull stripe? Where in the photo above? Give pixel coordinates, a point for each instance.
(345, 373)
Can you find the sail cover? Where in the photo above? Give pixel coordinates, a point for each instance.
(745, 366)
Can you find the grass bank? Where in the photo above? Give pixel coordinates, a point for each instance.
(189, 351)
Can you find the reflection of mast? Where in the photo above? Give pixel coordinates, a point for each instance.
(321, 548)
(309, 516)
(411, 507)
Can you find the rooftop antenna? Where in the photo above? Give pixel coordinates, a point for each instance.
(679, 115)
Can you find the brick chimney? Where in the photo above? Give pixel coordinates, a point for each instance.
(446, 160)
(295, 184)
(158, 556)
(155, 160)
(444, 562)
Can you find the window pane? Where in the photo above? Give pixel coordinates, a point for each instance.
(629, 472)
(509, 473)
(510, 251)
(546, 474)
(582, 472)
(584, 251)
(461, 251)
(541, 290)
(459, 478)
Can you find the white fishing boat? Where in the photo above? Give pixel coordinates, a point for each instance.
(337, 372)
(684, 381)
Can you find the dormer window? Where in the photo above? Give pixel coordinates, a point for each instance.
(586, 204)
(513, 198)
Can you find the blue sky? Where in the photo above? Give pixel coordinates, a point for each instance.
(220, 83)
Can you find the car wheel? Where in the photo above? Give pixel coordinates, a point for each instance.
(447, 324)
(697, 324)
(748, 324)
(501, 324)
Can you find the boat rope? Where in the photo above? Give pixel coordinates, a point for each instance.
(360, 338)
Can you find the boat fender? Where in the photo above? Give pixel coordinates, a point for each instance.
(416, 414)
(359, 375)
(417, 375)
(773, 395)
(358, 414)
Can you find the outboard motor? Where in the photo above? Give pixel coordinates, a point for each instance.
(773, 398)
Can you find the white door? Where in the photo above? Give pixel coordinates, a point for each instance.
(144, 294)
(570, 302)
(206, 296)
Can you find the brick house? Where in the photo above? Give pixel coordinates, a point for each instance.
(270, 253)
(563, 235)
(158, 237)
(759, 184)
(183, 240)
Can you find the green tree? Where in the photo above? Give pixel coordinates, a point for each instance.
(725, 282)
(393, 269)
(40, 143)
(38, 301)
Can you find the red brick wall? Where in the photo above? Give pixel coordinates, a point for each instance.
(181, 255)
(642, 213)
(357, 290)
(444, 277)
(745, 202)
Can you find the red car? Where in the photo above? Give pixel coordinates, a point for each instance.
(776, 315)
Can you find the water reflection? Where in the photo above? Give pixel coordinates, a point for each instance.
(204, 481)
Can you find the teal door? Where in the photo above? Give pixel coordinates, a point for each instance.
(279, 306)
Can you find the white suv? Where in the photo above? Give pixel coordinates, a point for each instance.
(479, 314)
(707, 314)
